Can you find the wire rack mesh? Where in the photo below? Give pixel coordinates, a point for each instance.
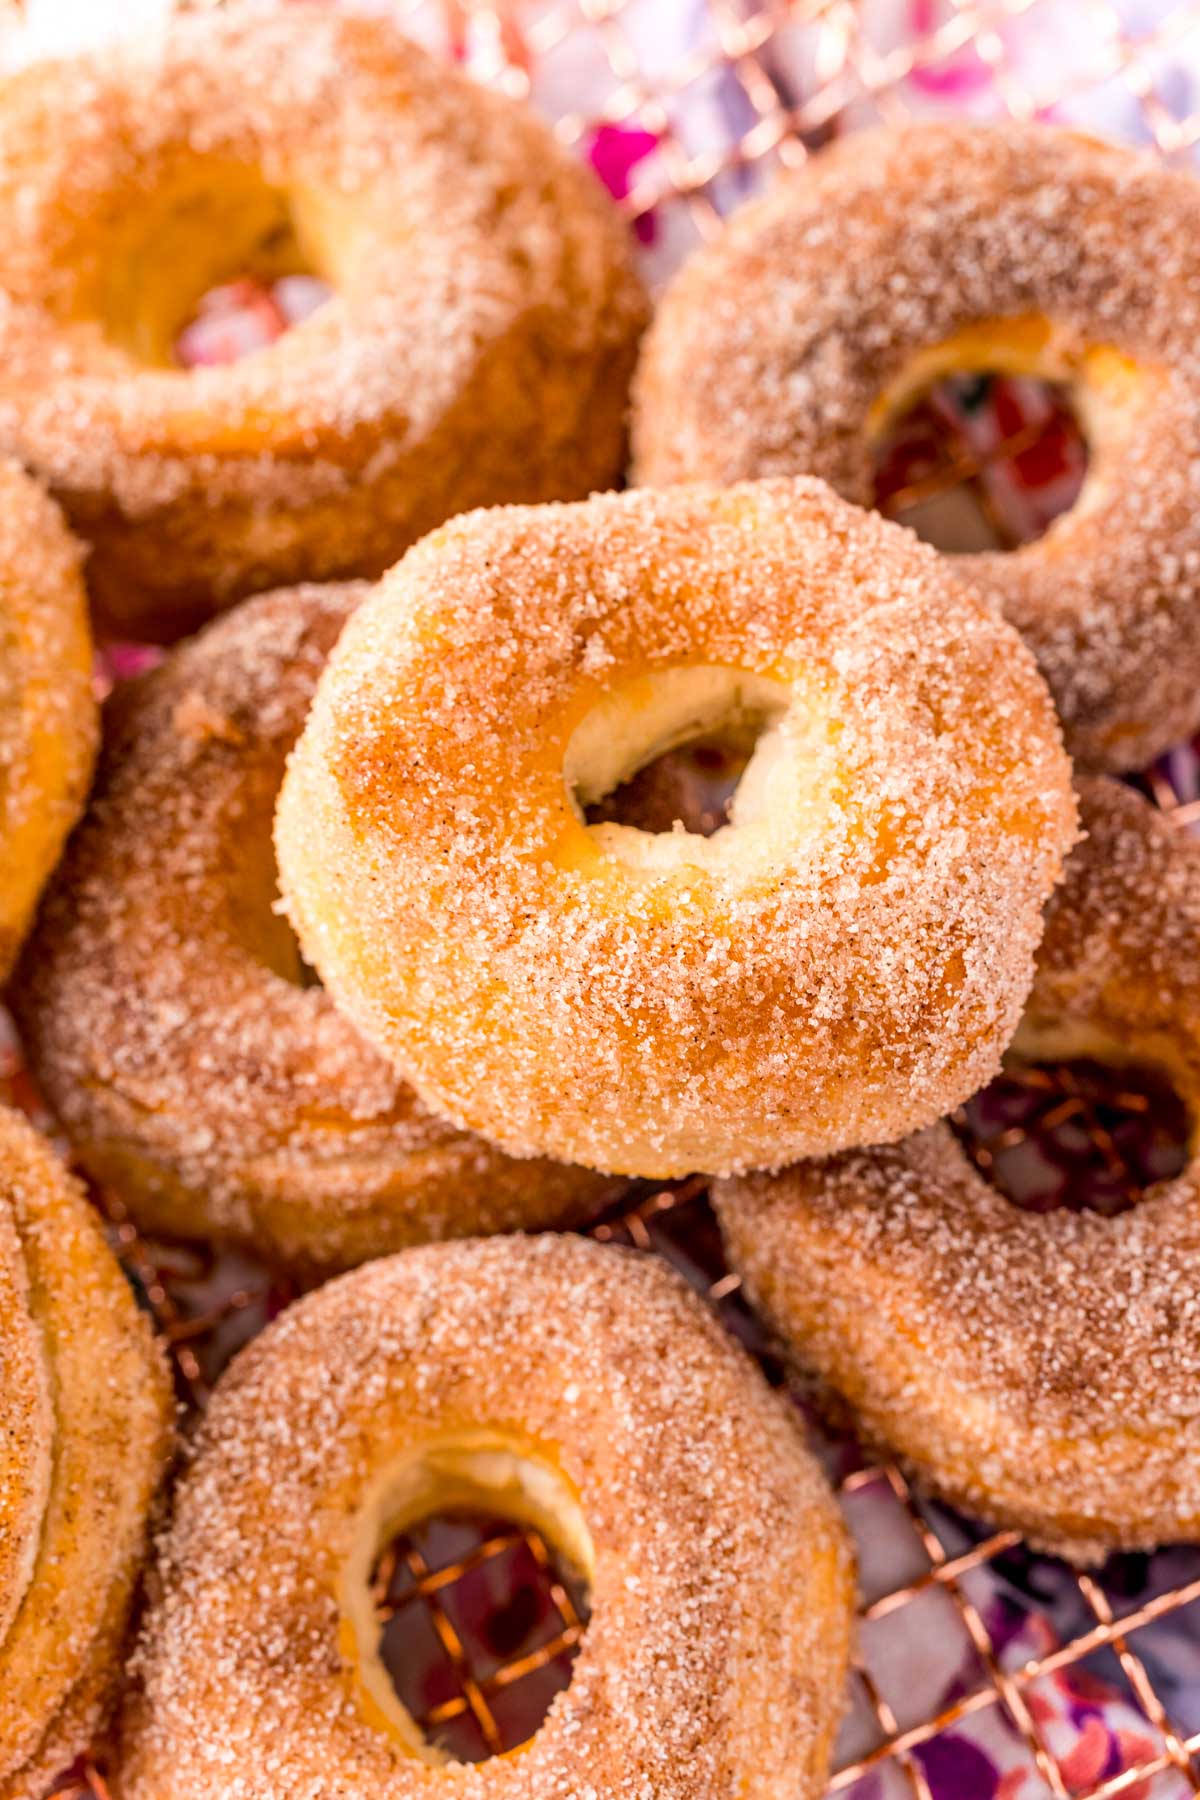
(478, 1661)
(980, 1668)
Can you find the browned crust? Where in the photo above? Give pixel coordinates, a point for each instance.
(772, 346)
(1042, 1371)
(48, 715)
(108, 1436)
(478, 350)
(655, 1023)
(159, 1000)
(721, 1598)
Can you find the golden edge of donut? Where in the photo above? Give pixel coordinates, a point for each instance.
(353, 1499)
(314, 1181)
(868, 1316)
(328, 801)
(113, 1416)
(50, 726)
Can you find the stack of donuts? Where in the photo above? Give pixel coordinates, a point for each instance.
(329, 938)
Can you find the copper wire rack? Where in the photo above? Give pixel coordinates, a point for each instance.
(480, 1622)
(789, 74)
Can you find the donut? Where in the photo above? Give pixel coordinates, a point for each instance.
(162, 1001)
(578, 1388)
(47, 710)
(838, 964)
(477, 349)
(901, 256)
(1039, 1370)
(85, 1423)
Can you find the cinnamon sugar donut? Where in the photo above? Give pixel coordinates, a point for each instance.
(162, 1001)
(477, 349)
(841, 962)
(47, 710)
(579, 1388)
(85, 1413)
(898, 257)
(1041, 1370)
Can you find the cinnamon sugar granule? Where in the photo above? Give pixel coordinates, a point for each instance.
(775, 346)
(711, 1529)
(161, 1000)
(1042, 1370)
(477, 347)
(845, 972)
(85, 1419)
(47, 706)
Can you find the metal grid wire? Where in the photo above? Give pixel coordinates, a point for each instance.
(206, 1306)
(803, 70)
(533, 1638)
(412, 1583)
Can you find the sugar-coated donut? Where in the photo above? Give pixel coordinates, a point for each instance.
(900, 256)
(478, 347)
(1041, 1370)
(841, 963)
(576, 1387)
(161, 1003)
(47, 709)
(85, 1414)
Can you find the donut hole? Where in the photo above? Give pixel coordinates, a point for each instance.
(465, 1597)
(694, 766)
(257, 920)
(241, 316)
(692, 785)
(211, 241)
(982, 442)
(1081, 1132)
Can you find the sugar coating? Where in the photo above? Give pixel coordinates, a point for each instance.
(48, 724)
(92, 1432)
(1041, 1371)
(26, 1428)
(159, 1001)
(562, 1003)
(721, 1598)
(478, 347)
(772, 346)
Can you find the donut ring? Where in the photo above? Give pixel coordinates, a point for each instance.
(845, 959)
(85, 1417)
(478, 348)
(790, 345)
(582, 1389)
(160, 999)
(47, 709)
(1041, 1371)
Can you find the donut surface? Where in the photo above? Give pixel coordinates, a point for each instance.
(161, 1003)
(47, 709)
(901, 256)
(1039, 1370)
(577, 1387)
(477, 348)
(85, 1416)
(839, 964)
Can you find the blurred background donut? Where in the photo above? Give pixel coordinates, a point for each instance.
(475, 347)
(897, 258)
(192, 1059)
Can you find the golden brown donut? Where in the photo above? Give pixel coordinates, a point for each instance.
(478, 347)
(85, 1417)
(842, 962)
(900, 256)
(47, 709)
(162, 1003)
(576, 1387)
(1040, 1370)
